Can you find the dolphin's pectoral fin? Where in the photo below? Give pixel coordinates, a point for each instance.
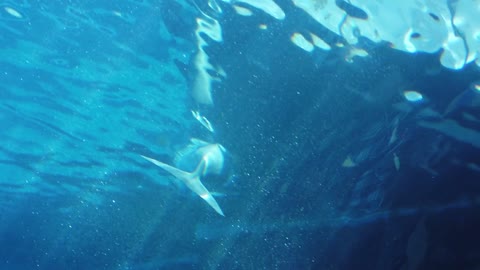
(191, 180)
(172, 170)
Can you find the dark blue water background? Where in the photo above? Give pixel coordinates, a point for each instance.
(88, 86)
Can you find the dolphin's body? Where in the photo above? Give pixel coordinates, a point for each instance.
(210, 161)
(190, 156)
(212, 153)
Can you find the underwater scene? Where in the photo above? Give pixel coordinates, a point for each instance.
(240, 134)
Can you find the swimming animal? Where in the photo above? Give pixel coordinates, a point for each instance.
(210, 161)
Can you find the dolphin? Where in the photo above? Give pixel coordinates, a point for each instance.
(192, 180)
(197, 150)
(212, 153)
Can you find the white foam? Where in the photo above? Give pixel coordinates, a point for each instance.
(327, 13)
(410, 25)
(242, 11)
(267, 6)
(467, 22)
(300, 41)
(320, 43)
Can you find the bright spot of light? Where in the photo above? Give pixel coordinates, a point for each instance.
(299, 40)
(13, 12)
(242, 11)
(412, 96)
(476, 86)
(117, 13)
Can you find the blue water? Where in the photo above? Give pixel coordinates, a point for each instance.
(89, 86)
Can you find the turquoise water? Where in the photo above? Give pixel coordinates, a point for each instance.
(318, 160)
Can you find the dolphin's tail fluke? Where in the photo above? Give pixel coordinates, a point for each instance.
(192, 180)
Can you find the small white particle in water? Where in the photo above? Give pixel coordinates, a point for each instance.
(13, 12)
(113, 201)
(263, 26)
